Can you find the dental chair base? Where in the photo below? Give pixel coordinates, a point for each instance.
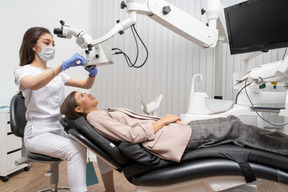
(218, 168)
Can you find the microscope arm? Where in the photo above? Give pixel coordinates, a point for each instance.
(119, 28)
(174, 19)
(96, 53)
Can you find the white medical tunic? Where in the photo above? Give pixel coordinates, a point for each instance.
(43, 105)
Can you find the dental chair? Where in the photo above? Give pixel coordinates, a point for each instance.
(18, 122)
(221, 168)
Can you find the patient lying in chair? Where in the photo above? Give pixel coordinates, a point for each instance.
(168, 137)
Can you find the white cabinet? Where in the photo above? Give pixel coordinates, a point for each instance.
(10, 147)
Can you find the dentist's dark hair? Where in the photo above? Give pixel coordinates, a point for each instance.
(30, 38)
(68, 107)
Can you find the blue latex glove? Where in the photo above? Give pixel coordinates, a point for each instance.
(92, 71)
(75, 60)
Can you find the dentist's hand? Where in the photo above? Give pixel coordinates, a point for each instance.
(92, 71)
(75, 60)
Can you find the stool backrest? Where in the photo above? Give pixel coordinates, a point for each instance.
(17, 115)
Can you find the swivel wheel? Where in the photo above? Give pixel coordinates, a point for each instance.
(27, 168)
(5, 179)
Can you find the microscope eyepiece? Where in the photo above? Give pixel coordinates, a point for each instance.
(58, 31)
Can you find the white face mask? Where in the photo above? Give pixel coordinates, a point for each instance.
(47, 53)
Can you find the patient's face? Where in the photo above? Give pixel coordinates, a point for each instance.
(85, 101)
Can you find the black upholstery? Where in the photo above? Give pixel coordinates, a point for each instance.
(101, 141)
(138, 154)
(17, 115)
(221, 160)
(196, 169)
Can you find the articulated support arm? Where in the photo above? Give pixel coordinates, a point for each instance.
(176, 20)
(162, 12)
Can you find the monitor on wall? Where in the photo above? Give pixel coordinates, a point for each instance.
(257, 25)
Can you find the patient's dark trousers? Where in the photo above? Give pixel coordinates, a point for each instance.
(212, 132)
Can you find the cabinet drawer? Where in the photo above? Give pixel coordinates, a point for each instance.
(10, 160)
(13, 143)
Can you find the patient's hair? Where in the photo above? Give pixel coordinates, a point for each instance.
(68, 107)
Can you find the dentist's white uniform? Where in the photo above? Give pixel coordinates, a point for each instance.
(44, 133)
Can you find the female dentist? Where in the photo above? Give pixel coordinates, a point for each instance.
(43, 89)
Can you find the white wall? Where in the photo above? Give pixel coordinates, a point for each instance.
(172, 59)
(16, 16)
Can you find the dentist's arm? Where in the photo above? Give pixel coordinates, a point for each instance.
(85, 84)
(39, 81)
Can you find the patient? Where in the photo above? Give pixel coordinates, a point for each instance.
(168, 137)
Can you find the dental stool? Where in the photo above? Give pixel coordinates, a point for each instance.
(18, 122)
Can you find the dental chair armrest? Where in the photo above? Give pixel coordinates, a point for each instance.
(138, 153)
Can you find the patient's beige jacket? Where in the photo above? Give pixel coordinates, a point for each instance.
(124, 125)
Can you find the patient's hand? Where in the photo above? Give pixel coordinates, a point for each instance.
(165, 121)
(170, 118)
(178, 121)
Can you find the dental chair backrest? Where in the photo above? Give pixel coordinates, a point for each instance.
(17, 115)
(106, 149)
